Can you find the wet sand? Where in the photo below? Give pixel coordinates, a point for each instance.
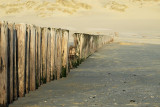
(118, 75)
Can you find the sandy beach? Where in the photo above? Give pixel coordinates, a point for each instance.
(118, 75)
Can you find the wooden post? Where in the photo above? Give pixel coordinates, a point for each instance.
(36, 58)
(38, 33)
(28, 34)
(3, 63)
(81, 46)
(10, 73)
(33, 58)
(53, 71)
(15, 64)
(44, 55)
(58, 53)
(21, 37)
(48, 55)
(64, 52)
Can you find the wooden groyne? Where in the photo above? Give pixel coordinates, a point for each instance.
(85, 45)
(31, 56)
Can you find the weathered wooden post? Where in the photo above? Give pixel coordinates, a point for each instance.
(15, 64)
(91, 44)
(44, 56)
(94, 43)
(38, 79)
(88, 44)
(53, 45)
(100, 41)
(85, 50)
(3, 63)
(28, 34)
(81, 46)
(10, 59)
(48, 55)
(58, 53)
(33, 58)
(21, 37)
(36, 58)
(64, 52)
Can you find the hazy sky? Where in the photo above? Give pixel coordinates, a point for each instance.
(135, 16)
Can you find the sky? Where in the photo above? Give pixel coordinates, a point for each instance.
(92, 16)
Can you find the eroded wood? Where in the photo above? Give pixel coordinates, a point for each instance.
(48, 55)
(21, 39)
(3, 63)
(58, 53)
(53, 45)
(33, 58)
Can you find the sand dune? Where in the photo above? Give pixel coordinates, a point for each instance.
(46, 8)
(116, 6)
(119, 15)
(42, 8)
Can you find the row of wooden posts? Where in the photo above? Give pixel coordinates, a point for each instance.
(27, 58)
(31, 56)
(85, 45)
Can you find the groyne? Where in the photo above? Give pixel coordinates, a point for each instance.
(31, 56)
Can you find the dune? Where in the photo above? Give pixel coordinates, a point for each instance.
(86, 16)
